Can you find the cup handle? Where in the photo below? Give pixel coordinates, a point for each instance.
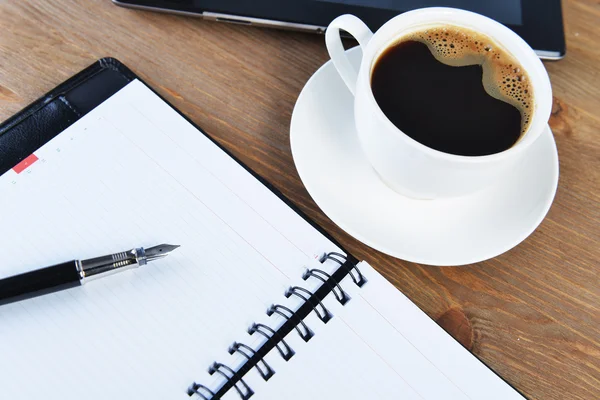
(361, 32)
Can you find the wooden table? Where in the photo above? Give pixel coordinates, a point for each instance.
(532, 314)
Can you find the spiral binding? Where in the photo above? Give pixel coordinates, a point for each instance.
(340, 295)
(306, 334)
(200, 390)
(323, 313)
(294, 320)
(266, 372)
(357, 277)
(245, 392)
(284, 349)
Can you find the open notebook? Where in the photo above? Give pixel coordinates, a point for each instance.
(133, 172)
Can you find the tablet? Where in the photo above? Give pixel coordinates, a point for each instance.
(539, 22)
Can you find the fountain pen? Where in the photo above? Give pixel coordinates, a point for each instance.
(76, 272)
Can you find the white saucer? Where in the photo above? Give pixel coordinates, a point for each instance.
(455, 231)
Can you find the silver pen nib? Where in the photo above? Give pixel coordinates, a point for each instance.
(160, 251)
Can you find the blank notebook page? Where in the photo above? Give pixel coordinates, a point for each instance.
(132, 173)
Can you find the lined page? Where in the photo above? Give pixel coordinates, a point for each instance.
(134, 173)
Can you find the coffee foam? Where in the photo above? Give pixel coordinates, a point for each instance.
(503, 76)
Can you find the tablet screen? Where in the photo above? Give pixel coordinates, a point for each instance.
(504, 11)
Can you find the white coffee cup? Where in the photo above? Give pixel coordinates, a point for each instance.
(405, 165)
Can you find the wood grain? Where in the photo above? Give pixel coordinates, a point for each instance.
(532, 314)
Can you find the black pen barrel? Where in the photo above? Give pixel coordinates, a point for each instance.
(39, 282)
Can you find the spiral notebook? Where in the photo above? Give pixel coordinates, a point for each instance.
(256, 303)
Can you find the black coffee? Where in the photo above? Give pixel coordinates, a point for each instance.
(453, 90)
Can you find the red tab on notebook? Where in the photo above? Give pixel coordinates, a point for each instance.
(20, 167)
